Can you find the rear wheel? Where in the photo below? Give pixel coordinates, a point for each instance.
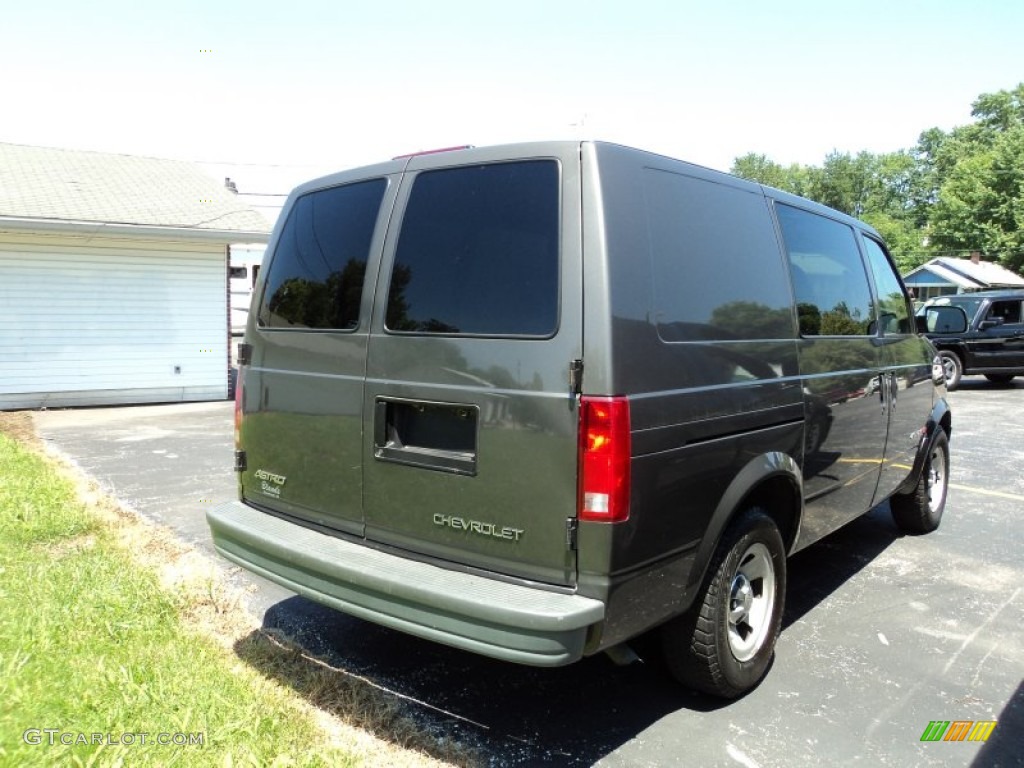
(952, 369)
(999, 378)
(724, 643)
(920, 511)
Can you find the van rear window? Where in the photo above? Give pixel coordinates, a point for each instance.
(478, 252)
(315, 277)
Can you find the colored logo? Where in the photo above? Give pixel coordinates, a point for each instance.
(958, 730)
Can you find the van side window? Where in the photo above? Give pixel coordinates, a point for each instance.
(831, 286)
(315, 277)
(893, 313)
(478, 252)
(715, 265)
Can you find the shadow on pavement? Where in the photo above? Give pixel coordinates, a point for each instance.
(511, 715)
(1004, 745)
(515, 715)
(818, 571)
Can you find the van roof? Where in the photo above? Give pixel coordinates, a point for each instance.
(467, 153)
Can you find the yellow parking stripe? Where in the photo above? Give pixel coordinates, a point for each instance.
(957, 486)
(986, 492)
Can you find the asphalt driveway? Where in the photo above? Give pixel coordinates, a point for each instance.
(883, 633)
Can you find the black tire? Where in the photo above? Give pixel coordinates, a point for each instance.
(920, 510)
(725, 642)
(999, 378)
(952, 369)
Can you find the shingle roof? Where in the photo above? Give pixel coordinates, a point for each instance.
(970, 275)
(73, 185)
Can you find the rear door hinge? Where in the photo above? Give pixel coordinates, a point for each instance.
(244, 353)
(572, 527)
(240, 461)
(575, 377)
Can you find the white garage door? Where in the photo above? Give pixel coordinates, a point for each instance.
(130, 322)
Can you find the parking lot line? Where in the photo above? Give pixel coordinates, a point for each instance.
(986, 492)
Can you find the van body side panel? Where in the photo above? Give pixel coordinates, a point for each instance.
(470, 432)
(913, 394)
(703, 344)
(843, 455)
(906, 389)
(843, 366)
(679, 490)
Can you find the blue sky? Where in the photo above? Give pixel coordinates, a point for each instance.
(275, 92)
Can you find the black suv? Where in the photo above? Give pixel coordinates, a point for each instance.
(977, 333)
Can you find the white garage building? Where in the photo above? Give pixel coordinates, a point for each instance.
(114, 278)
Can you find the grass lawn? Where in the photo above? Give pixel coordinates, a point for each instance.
(121, 646)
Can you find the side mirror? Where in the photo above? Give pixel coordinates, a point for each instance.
(991, 322)
(942, 319)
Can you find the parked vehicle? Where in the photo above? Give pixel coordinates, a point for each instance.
(534, 400)
(985, 337)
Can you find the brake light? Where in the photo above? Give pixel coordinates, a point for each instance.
(604, 459)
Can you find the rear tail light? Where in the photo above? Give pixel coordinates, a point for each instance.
(604, 459)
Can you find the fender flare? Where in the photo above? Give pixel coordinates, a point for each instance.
(956, 346)
(755, 473)
(940, 418)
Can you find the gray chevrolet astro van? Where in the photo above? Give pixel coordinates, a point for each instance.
(535, 400)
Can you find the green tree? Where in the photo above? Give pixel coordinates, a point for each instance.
(954, 192)
(1001, 111)
(845, 182)
(977, 178)
(903, 237)
(760, 169)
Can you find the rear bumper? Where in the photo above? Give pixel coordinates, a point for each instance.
(511, 622)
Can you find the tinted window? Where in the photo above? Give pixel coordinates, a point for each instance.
(1007, 311)
(478, 252)
(315, 277)
(831, 286)
(714, 261)
(970, 305)
(892, 303)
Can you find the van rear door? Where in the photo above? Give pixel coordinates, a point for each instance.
(470, 428)
(302, 393)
